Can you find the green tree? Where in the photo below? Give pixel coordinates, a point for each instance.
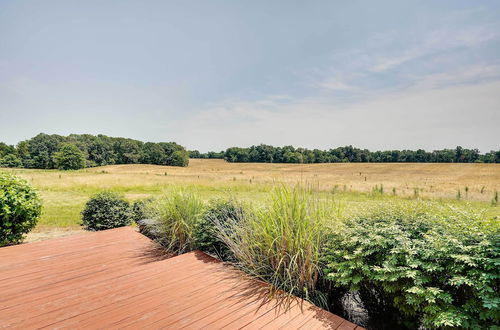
(38, 151)
(10, 160)
(175, 153)
(69, 157)
(6, 149)
(153, 153)
(127, 151)
(179, 158)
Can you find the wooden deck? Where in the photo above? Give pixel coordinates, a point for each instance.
(116, 279)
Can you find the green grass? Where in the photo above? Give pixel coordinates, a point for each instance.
(281, 241)
(64, 193)
(178, 214)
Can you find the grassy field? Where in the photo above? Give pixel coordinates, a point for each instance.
(65, 192)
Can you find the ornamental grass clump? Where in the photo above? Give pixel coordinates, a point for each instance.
(281, 243)
(435, 265)
(177, 215)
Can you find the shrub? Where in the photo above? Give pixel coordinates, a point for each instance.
(69, 157)
(281, 244)
(438, 266)
(219, 213)
(106, 210)
(177, 214)
(139, 209)
(20, 208)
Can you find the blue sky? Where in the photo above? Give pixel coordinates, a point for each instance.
(214, 74)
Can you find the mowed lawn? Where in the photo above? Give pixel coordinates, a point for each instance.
(64, 193)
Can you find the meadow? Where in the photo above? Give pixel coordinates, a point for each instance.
(64, 193)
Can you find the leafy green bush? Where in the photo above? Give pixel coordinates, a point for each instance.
(20, 208)
(106, 210)
(139, 209)
(177, 214)
(281, 244)
(438, 266)
(219, 213)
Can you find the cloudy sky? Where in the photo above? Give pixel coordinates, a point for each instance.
(213, 74)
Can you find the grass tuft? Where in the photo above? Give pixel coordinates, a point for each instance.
(281, 243)
(177, 213)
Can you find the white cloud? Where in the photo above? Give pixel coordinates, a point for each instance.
(359, 69)
(445, 39)
(468, 75)
(335, 85)
(459, 115)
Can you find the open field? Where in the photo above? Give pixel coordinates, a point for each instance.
(65, 192)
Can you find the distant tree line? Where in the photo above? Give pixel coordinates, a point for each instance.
(208, 155)
(84, 150)
(349, 154)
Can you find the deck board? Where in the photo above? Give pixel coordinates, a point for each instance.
(114, 279)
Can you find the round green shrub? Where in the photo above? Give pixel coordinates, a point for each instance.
(436, 265)
(106, 210)
(20, 208)
(219, 213)
(139, 209)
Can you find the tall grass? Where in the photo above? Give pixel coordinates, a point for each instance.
(282, 242)
(177, 214)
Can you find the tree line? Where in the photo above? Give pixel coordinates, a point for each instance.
(77, 151)
(348, 154)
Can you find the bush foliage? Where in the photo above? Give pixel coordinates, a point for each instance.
(139, 209)
(20, 208)
(438, 267)
(219, 214)
(106, 210)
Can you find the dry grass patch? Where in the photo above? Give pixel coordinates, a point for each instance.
(65, 192)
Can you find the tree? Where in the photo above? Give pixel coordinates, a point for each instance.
(69, 158)
(195, 154)
(127, 151)
(178, 158)
(6, 149)
(153, 153)
(10, 160)
(39, 150)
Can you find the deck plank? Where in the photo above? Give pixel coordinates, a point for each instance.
(115, 279)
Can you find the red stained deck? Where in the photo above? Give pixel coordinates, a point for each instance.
(116, 279)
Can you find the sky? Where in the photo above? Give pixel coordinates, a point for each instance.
(214, 74)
